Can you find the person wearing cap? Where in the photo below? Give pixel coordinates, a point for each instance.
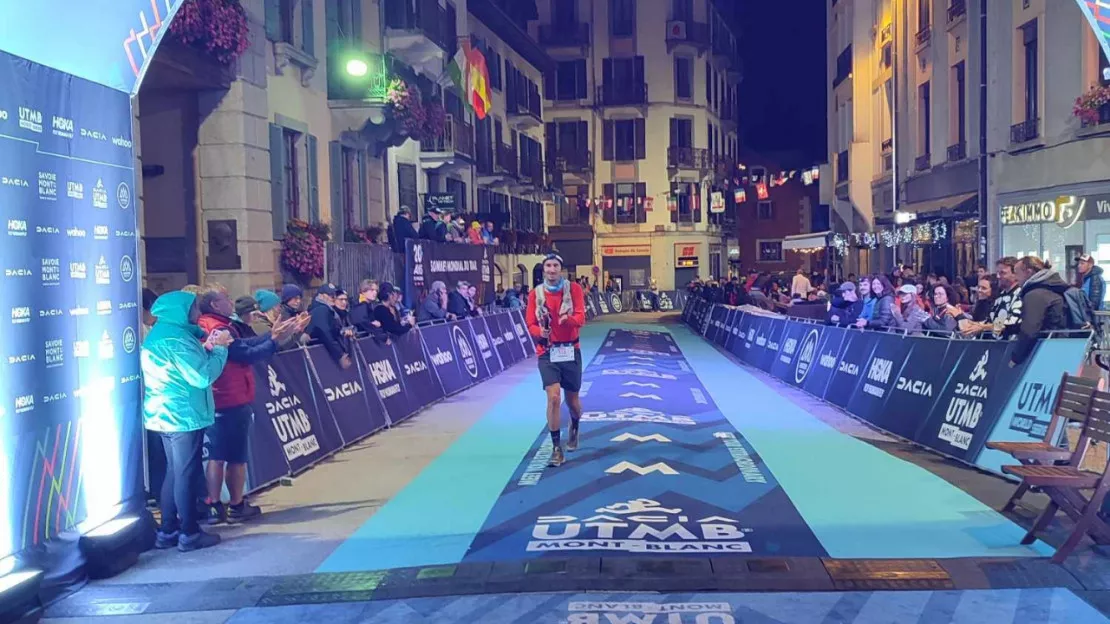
(324, 325)
(845, 307)
(909, 315)
(292, 300)
(555, 314)
(475, 233)
(1091, 281)
(403, 229)
(389, 312)
(456, 230)
(432, 228)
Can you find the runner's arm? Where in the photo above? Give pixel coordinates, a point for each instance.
(530, 318)
(577, 316)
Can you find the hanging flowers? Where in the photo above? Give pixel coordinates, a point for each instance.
(418, 119)
(216, 27)
(1088, 106)
(302, 249)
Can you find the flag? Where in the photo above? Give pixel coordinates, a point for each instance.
(458, 70)
(479, 83)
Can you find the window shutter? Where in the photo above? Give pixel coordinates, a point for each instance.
(313, 179)
(364, 201)
(356, 21)
(335, 165)
(549, 90)
(308, 28)
(273, 20)
(551, 140)
(674, 132)
(607, 209)
(607, 140)
(695, 201)
(708, 84)
(277, 181)
(582, 137)
(331, 22)
(607, 73)
(638, 72)
(580, 79)
(641, 193)
(641, 138)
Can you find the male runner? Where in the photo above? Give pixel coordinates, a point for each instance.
(556, 311)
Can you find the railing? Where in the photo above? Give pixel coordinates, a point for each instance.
(347, 264)
(1025, 131)
(507, 161)
(524, 100)
(689, 158)
(571, 214)
(574, 161)
(924, 35)
(956, 10)
(1103, 117)
(531, 171)
(957, 152)
(842, 166)
(425, 16)
(457, 137)
(922, 162)
(697, 33)
(572, 34)
(622, 95)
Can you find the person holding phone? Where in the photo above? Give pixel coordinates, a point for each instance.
(555, 314)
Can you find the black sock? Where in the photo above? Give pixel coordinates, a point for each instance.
(574, 423)
(555, 438)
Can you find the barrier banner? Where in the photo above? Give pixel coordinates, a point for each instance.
(854, 354)
(356, 414)
(924, 371)
(732, 329)
(828, 359)
(798, 355)
(484, 340)
(771, 343)
(504, 338)
(466, 352)
(382, 373)
(521, 330)
(417, 378)
(440, 347)
(973, 396)
(593, 307)
(427, 262)
(602, 303)
(616, 305)
(287, 411)
(879, 374)
(744, 342)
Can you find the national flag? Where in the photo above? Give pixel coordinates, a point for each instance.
(479, 83)
(458, 70)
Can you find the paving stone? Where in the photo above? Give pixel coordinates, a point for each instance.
(780, 574)
(1091, 569)
(1008, 574)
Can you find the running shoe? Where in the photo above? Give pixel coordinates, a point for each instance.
(216, 514)
(196, 541)
(556, 457)
(242, 512)
(572, 439)
(163, 541)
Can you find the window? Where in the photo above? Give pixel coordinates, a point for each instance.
(709, 135)
(571, 139)
(353, 188)
(1103, 65)
(347, 20)
(758, 174)
(625, 134)
(682, 10)
(458, 189)
(960, 78)
(291, 178)
(682, 132)
(406, 186)
(564, 13)
(687, 199)
(924, 126)
(570, 80)
(683, 78)
(923, 20)
(708, 84)
(628, 204)
(769, 250)
(494, 60)
(623, 139)
(1029, 38)
(765, 211)
(288, 21)
(622, 18)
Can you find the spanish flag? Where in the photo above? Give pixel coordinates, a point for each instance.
(478, 74)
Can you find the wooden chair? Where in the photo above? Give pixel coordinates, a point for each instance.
(1072, 403)
(1064, 484)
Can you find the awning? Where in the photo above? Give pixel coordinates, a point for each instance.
(805, 241)
(964, 204)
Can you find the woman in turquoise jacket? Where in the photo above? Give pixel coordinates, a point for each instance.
(179, 366)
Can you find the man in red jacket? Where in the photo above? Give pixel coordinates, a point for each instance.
(556, 312)
(234, 394)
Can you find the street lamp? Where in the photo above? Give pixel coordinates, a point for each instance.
(357, 67)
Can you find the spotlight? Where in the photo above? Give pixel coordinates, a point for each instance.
(19, 594)
(115, 545)
(357, 67)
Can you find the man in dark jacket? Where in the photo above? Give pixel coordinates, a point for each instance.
(432, 228)
(403, 229)
(292, 297)
(845, 307)
(1091, 281)
(233, 393)
(1042, 304)
(324, 325)
(457, 302)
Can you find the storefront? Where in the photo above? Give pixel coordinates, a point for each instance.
(628, 265)
(686, 263)
(1057, 225)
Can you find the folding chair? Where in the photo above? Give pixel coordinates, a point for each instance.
(1063, 484)
(1072, 403)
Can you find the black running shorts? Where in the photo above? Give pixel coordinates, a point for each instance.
(567, 374)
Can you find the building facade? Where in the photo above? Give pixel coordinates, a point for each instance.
(768, 229)
(641, 130)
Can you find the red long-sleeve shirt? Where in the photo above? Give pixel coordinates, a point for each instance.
(560, 332)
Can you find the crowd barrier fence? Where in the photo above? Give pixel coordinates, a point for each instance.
(951, 396)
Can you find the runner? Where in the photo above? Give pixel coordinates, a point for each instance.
(556, 311)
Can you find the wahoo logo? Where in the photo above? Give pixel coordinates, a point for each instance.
(123, 142)
(655, 437)
(343, 391)
(915, 386)
(626, 466)
(442, 358)
(637, 395)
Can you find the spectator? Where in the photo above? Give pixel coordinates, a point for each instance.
(292, 298)
(487, 234)
(945, 315)
(178, 373)
(882, 304)
(1091, 281)
(800, 285)
(457, 301)
(233, 393)
(512, 300)
(362, 313)
(1042, 304)
(324, 325)
(456, 230)
(475, 233)
(472, 301)
(845, 307)
(269, 305)
(389, 312)
(403, 229)
(908, 314)
(984, 299)
(148, 319)
(431, 228)
(434, 307)
(1006, 311)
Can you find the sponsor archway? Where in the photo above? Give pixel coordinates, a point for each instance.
(70, 424)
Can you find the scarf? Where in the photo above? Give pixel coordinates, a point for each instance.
(566, 307)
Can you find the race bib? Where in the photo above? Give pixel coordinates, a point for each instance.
(562, 353)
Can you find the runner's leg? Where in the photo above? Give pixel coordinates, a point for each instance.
(554, 404)
(572, 384)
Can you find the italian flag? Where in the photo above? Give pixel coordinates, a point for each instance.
(458, 70)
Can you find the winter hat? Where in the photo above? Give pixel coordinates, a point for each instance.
(290, 291)
(245, 305)
(267, 300)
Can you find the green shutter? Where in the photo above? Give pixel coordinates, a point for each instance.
(363, 188)
(356, 21)
(277, 180)
(338, 218)
(313, 179)
(273, 20)
(308, 28)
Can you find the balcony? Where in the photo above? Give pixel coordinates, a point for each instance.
(622, 95)
(957, 152)
(735, 73)
(506, 161)
(416, 33)
(577, 162)
(724, 49)
(922, 162)
(956, 10)
(923, 36)
(1025, 131)
(842, 166)
(522, 105)
(687, 34)
(1103, 117)
(689, 158)
(565, 35)
(532, 176)
(728, 116)
(456, 142)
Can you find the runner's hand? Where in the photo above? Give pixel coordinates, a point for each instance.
(345, 361)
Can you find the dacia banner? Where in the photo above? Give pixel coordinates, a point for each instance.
(504, 340)
(690, 483)
(952, 396)
(427, 262)
(417, 375)
(357, 412)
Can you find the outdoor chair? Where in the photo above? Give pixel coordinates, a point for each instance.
(1064, 485)
(1073, 402)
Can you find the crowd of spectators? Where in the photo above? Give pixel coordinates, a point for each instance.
(440, 226)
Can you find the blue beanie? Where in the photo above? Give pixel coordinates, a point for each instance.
(267, 300)
(290, 291)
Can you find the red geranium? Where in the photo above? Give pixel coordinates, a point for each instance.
(218, 27)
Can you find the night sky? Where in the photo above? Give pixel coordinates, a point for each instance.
(782, 97)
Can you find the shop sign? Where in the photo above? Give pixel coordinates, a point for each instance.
(1065, 211)
(625, 250)
(686, 255)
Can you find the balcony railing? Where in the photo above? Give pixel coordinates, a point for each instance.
(689, 158)
(424, 16)
(554, 176)
(922, 162)
(524, 99)
(506, 161)
(957, 152)
(571, 213)
(557, 35)
(531, 172)
(956, 10)
(622, 94)
(457, 137)
(697, 33)
(579, 161)
(1103, 117)
(1025, 131)
(842, 166)
(924, 35)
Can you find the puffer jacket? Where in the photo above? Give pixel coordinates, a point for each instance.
(236, 384)
(178, 372)
(1042, 309)
(1094, 286)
